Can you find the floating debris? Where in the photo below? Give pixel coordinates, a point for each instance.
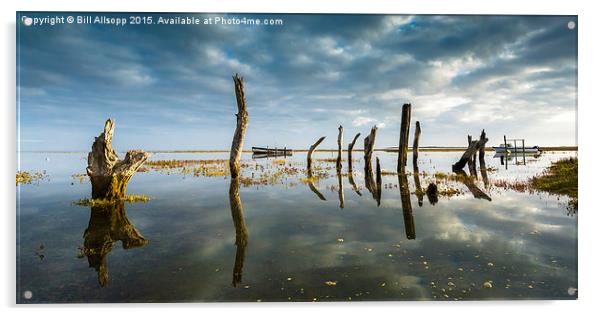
(331, 283)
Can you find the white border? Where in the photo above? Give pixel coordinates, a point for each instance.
(589, 102)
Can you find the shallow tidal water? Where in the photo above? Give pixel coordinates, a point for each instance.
(300, 245)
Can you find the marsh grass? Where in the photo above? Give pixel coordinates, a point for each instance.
(24, 177)
(560, 178)
(133, 198)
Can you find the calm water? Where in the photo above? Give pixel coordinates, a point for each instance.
(299, 247)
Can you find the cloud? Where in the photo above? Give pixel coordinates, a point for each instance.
(500, 73)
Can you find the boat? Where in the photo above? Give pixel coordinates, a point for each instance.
(511, 149)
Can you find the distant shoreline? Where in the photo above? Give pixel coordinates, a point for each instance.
(423, 149)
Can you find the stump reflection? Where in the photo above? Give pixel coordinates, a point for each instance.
(108, 224)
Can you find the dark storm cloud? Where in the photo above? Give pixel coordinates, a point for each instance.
(170, 86)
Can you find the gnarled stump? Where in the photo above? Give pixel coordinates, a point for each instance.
(242, 120)
(109, 175)
(468, 154)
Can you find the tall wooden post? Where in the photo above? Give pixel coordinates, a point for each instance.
(484, 140)
(350, 151)
(404, 133)
(242, 120)
(369, 147)
(340, 152)
(415, 148)
(311, 151)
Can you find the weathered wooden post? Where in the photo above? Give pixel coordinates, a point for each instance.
(350, 151)
(242, 120)
(340, 152)
(369, 147)
(311, 151)
(109, 175)
(469, 153)
(404, 135)
(415, 147)
(483, 139)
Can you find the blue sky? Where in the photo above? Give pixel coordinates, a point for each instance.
(170, 86)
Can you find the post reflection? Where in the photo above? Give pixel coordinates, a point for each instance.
(406, 205)
(312, 186)
(341, 192)
(371, 185)
(108, 224)
(472, 187)
(419, 192)
(238, 219)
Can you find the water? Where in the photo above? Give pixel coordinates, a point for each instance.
(298, 247)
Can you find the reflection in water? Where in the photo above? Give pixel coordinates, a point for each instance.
(352, 182)
(432, 194)
(312, 187)
(472, 187)
(108, 224)
(406, 205)
(370, 183)
(241, 231)
(483, 167)
(341, 193)
(419, 192)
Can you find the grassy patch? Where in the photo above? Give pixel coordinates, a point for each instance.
(560, 178)
(102, 202)
(24, 177)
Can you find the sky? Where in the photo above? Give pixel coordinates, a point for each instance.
(169, 87)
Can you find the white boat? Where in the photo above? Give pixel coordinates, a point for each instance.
(511, 149)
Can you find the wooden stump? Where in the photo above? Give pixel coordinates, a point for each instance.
(404, 134)
(468, 154)
(369, 148)
(242, 120)
(350, 151)
(340, 152)
(311, 151)
(109, 175)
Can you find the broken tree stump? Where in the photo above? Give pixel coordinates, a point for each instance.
(404, 134)
(242, 120)
(350, 151)
(417, 132)
(109, 175)
(340, 152)
(369, 148)
(468, 154)
(238, 218)
(484, 140)
(311, 151)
